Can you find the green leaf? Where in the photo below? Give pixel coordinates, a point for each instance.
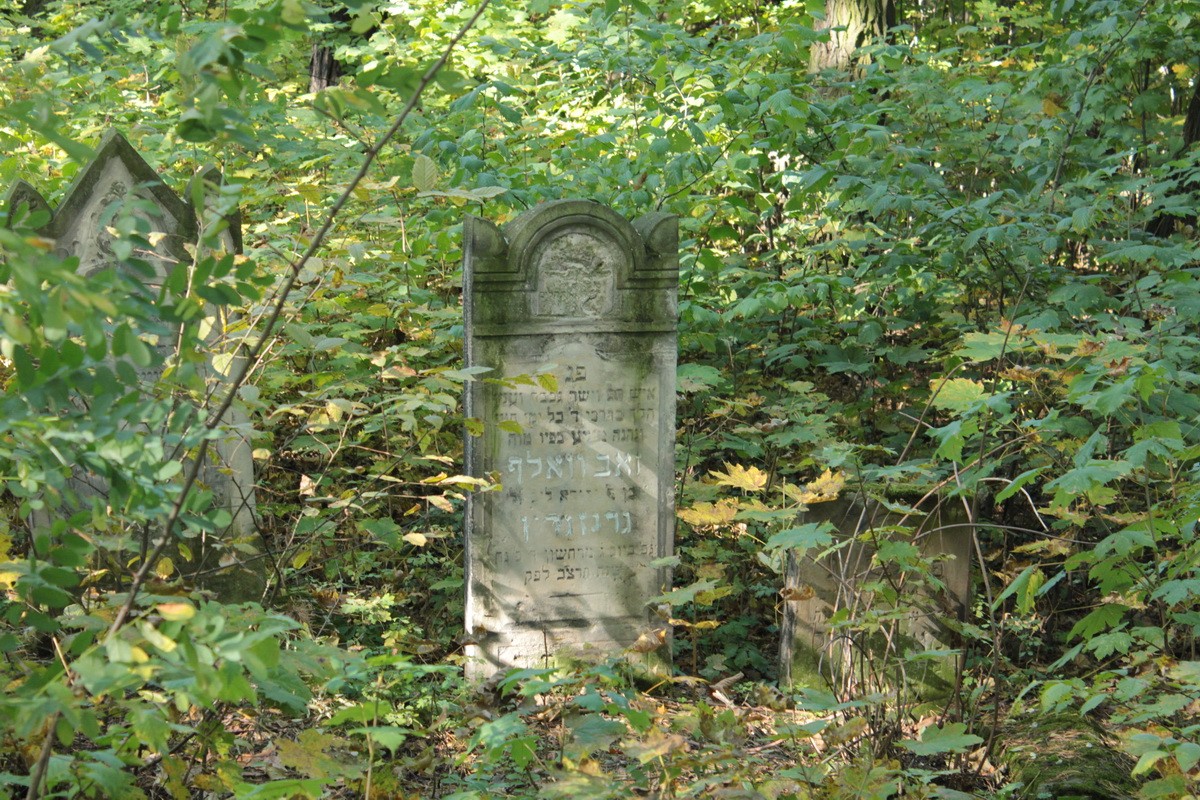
(1016, 483)
(697, 378)
(687, 594)
(1100, 619)
(807, 536)
(288, 789)
(390, 737)
(591, 732)
(1188, 755)
(952, 738)
(957, 394)
(424, 173)
(986, 346)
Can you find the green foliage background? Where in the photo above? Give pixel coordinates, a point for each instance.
(967, 270)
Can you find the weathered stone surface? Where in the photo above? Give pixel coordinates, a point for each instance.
(560, 559)
(819, 590)
(119, 182)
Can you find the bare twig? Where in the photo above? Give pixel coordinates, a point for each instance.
(39, 769)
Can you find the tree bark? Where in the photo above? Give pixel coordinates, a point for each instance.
(323, 69)
(864, 22)
(1166, 224)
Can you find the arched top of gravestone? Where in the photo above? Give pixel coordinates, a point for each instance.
(573, 264)
(22, 202)
(117, 175)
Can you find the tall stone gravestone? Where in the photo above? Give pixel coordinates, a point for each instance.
(118, 181)
(560, 559)
(826, 589)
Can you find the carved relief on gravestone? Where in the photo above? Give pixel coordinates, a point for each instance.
(118, 188)
(828, 590)
(572, 310)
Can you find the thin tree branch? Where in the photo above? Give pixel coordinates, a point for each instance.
(1093, 76)
(294, 270)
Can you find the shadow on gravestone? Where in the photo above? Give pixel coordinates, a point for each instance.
(561, 556)
(910, 642)
(230, 564)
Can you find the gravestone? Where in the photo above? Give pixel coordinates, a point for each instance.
(824, 588)
(572, 311)
(119, 182)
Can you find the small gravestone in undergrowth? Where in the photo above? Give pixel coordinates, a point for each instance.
(118, 184)
(868, 614)
(571, 310)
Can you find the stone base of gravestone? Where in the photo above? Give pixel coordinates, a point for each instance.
(852, 625)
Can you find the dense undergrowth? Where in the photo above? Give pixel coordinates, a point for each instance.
(965, 271)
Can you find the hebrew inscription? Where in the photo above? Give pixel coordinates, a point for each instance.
(574, 315)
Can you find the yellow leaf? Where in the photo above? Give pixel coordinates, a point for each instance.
(176, 612)
(822, 490)
(704, 514)
(165, 568)
(797, 593)
(649, 641)
(751, 479)
(440, 501)
(416, 539)
(301, 558)
(163, 643)
(1050, 106)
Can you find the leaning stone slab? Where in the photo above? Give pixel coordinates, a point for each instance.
(829, 594)
(118, 181)
(571, 310)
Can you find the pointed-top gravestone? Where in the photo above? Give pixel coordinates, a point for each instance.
(118, 184)
(120, 179)
(571, 311)
(23, 202)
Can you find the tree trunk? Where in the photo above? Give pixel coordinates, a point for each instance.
(323, 69)
(1166, 224)
(863, 21)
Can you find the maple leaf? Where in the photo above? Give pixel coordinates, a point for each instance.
(751, 479)
(703, 515)
(822, 490)
(310, 755)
